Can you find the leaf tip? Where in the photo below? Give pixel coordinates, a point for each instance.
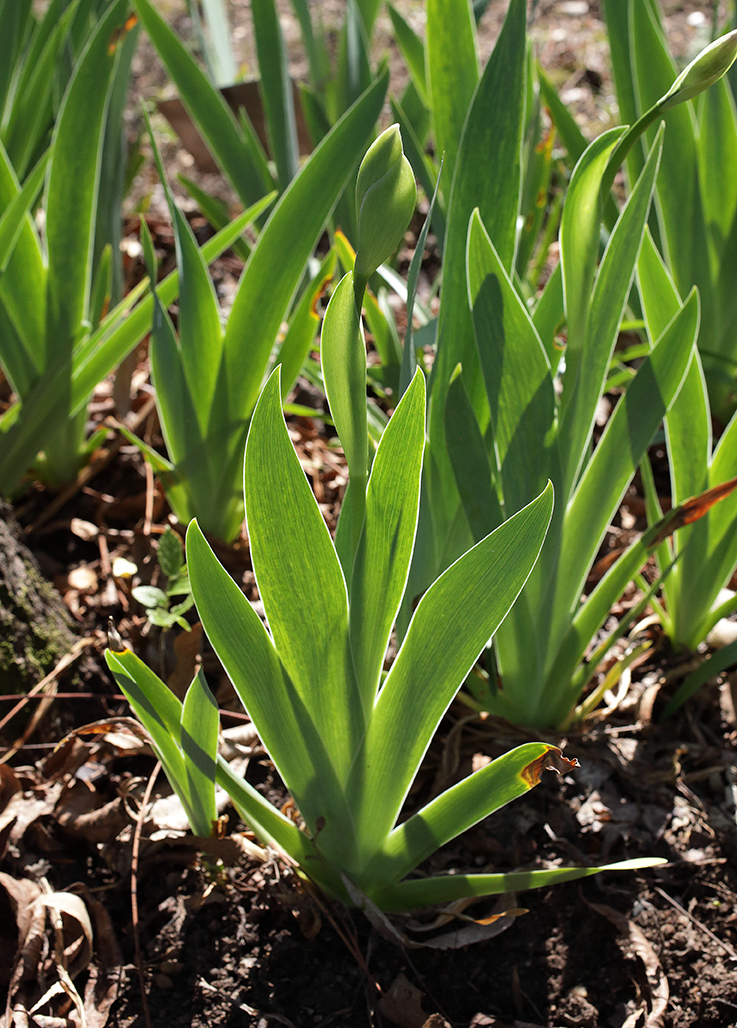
(114, 642)
(550, 760)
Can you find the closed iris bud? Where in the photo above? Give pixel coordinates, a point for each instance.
(703, 71)
(385, 201)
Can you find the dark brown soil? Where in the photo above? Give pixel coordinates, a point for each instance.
(251, 947)
(243, 959)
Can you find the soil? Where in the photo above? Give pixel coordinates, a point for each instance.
(174, 940)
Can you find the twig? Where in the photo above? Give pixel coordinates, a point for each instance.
(348, 937)
(79, 647)
(134, 889)
(65, 983)
(71, 696)
(729, 950)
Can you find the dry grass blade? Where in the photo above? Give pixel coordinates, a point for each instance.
(47, 684)
(134, 889)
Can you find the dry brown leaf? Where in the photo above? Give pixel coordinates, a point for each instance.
(37, 803)
(111, 726)
(84, 530)
(167, 818)
(105, 977)
(476, 931)
(76, 929)
(470, 933)
(455, 912)
(9, 785)
(82, 813)
(402, 1004)
(29, 972)
(64, 986)
(16, 900)
(43, 970)
(83, 579)
(651, 1014)
(66, 759)
(11, 797)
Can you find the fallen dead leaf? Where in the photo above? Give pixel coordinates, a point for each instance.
(475, 931)
(652, 1009)
(105, 974)
(66, 759)
(28, 976)
(402, 1004)
(11, 797)
(16, 900)
(37, 804)
(487, 1021)
(84, 530)
(83, 579)
(455, 912)
(76, 928)
(83, 813)
(53, 944)
(9, 785)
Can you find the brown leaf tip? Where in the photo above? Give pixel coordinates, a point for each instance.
(551, 760)
(115, 643)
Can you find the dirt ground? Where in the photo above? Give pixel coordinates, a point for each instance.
(151, 936)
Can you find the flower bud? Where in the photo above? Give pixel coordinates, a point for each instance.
(703, 71)
(385, 201)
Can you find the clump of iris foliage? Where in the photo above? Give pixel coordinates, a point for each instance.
(474, 513)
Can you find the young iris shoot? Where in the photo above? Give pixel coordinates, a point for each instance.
(232, 139)
(506, 414)
(347, 747)
(208, 377)
(346, 738)
(696, 172)
(697, 564)
(57, 337)
(54, 290)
